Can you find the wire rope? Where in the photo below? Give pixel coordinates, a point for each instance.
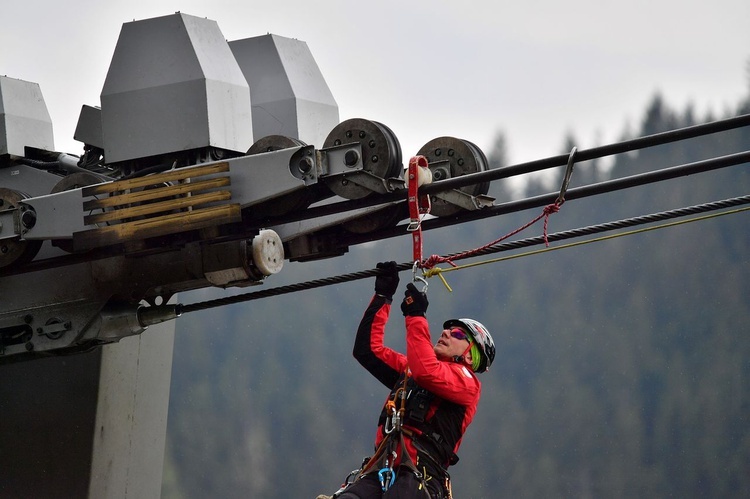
(507, 246)
(437, 270)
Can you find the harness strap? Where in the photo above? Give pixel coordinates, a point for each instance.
(380, 461)
(384, 450)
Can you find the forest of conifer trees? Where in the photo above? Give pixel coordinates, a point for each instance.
(623, 366)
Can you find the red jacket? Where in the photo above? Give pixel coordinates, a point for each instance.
(454, 387)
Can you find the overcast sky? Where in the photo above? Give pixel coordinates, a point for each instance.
(535, 69)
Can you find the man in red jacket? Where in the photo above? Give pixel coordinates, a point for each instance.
(434, 395)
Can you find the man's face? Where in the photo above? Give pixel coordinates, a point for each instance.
(449, 346)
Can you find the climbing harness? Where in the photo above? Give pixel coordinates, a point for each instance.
(383, 462)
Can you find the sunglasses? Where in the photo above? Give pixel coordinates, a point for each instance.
(460, 335)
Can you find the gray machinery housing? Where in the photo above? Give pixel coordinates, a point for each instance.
(299, 103)
(173, 85)
(24, 119)
(203, 166)
(198, 169)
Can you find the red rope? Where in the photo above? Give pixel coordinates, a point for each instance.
(548, 210)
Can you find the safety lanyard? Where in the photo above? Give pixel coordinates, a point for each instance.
(419, 204)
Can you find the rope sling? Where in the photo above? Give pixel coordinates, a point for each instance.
(418, 207)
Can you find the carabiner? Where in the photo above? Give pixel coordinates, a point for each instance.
(386, 476)
(566, 178)
(389, 425)
(419, 278)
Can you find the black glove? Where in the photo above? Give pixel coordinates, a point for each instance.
(386, 282)
(415, 302)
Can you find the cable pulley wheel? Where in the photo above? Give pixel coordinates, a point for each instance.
(450, 157)
(76, 180)
(287, 203)
(271, 143)
(15, 251)
(381, 153)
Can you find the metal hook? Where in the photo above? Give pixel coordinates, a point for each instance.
(387, 426)
(386, 476)
(419, 278)
(566, 180)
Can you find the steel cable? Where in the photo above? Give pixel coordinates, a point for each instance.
(581, 155)
(521, 243)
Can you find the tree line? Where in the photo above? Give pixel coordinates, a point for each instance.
(622, 368)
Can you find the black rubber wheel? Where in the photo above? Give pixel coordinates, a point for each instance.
(450, 157)
(381, 153)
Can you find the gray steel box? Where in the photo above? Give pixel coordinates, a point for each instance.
(289, 95)
(173, 85)
(24, 119)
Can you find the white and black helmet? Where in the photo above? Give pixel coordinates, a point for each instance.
(481, 336)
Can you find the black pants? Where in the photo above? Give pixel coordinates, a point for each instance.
(406, 486)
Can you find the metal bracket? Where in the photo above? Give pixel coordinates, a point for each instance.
(441, 171)
(370, 181)
(344, 164)
(464, 200)
(54, 328)
(345, 158)
(305, 166)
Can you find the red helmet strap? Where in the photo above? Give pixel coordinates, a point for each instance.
(461, 359)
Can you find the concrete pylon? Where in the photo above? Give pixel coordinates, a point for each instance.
(88, 425)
